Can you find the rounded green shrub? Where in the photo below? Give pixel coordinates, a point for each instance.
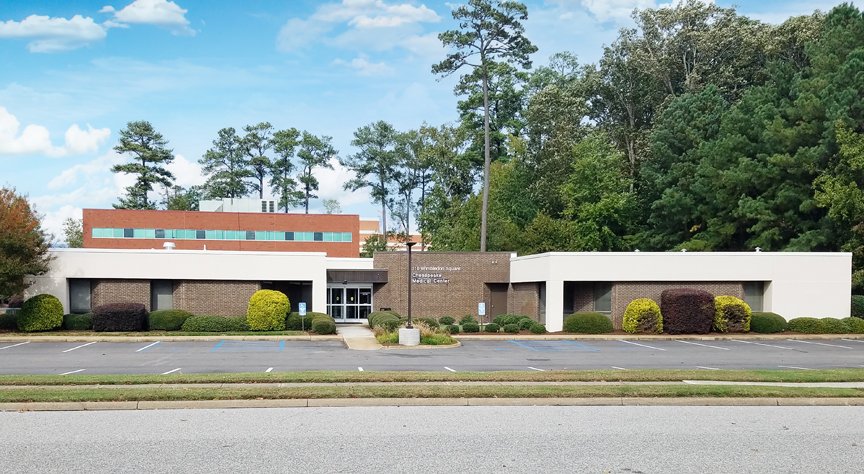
(267, 310)
(643, 316)
(492, 327)
(294, 322)
(40, 313)
(215, 324)
(526, 323)
(323, 324)
(509, 319)
(474, 327)
(767, 323)
(453, 329)
(511, 328)
(431, 322)
(731, 314)
(854, 325)
(588, 323)
(468, 318)
(806, 326)
(81, 322)
(858, 306)
(834, 326)
(446, 320)
(167, 319)
(537, 328)
(386, 320)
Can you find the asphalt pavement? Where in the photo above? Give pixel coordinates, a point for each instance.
(277, 356)
(438, 439)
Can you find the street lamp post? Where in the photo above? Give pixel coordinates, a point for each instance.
(410, 281)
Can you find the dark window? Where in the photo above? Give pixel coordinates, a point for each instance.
(603, 297)
(318, 237)
(250, 235)
(160, 233)
(754, 294)
(289, 235)
(263, 206)
(161, 295)
(128, 233)
(79, 296)
(271, 206)
(200, 234)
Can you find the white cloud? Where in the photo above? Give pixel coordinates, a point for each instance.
(365, 67)
(331, 182)
(605, 10)
(164, 13)
(186, 173)
(50, 35)
(35, 139)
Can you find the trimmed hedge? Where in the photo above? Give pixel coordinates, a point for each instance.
(452, 329)
(386, 320)
(120, 317)
(40, 313)
(687, 311)
(492, 327)
(767, 323)
(9, 321)
(474, 327)
(215, 324)
(806, 325)
(731, 314)
(323, 324)
(293, 322)
(834, 326)
(588, 323)
(854, 325)
(505, 319)
(643, 315)
(537, 328)
(511, 328)
(78, 322)
(526, 323)
(267, 310)
(446, 320)
(468, 318)
(167, 319)
(858, 306)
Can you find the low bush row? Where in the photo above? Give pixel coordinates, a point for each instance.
(805, 325)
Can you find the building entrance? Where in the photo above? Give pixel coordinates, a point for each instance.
(349, 303)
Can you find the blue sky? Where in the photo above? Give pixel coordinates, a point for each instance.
(73, 73)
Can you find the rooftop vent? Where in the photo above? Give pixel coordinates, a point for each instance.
(169, 246)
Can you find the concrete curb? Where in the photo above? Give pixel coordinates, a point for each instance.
(652, 337)
(214, 338)
(422, 347)
(399, 402)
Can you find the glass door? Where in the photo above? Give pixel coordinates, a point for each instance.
(349, 303)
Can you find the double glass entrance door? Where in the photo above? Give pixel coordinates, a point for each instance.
(349, 303)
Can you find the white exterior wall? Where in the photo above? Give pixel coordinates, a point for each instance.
(797, 283)
(191, 265)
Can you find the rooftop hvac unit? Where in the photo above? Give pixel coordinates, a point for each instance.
(169, 246)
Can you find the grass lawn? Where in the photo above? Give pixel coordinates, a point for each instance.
(768, 375)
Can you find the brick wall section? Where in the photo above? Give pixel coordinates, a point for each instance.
(524, 299)
(583, 297)
(120, 291)
(216, 298)
(458, 297)
(194, 220)
(625, 292)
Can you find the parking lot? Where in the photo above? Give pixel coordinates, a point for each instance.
(281, 356)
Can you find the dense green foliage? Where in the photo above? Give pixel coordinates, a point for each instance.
(588, 323)
(858, 306)
(267, 310)
(767, 323)
(452, 329)
(40, 313)
(511, 328)
(537, 328)
(8, 322)
(323, 324)
(470, 327)
(148, 158)
(215, 324)
(446, 320)
(386, 320)
(23, 245)
(854, 325)
(642, 315)
(492, 327)
(167, 319)
(296, 323)
(78, 322)
(731, 314)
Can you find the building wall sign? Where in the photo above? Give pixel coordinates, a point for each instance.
(433, 275)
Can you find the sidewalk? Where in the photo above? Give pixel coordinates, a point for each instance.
(358, 338)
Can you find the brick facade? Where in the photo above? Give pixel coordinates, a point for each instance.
(120, 291)
(216, 298)
(525, 299)
(445, 283)
(625, 292)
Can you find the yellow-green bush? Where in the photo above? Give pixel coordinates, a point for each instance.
(267, 310)
(731, 314)
(40, 313)
(643, 315)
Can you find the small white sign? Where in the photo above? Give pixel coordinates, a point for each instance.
(302, 309)
(481, 309)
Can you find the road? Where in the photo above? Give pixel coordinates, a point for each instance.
(439, 439)
(277, 356)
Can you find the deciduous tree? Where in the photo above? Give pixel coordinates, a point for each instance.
(23, 244)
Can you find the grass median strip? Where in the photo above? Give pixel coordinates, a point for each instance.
(768, 375)
(89, 394)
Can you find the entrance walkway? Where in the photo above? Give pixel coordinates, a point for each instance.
(357, 337)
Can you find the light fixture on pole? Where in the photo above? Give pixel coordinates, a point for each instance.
(409, 244)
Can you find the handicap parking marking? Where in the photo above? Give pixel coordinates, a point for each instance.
(281, 346)
(217, 346)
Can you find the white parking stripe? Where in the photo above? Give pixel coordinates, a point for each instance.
(171, 371)
(617, 368)
(538, 370)
(794, 367)
(15, 345)
(818, 343)
(147, 346)
(73, 372)
(860, 341)
(706, 368)
(448, 368)
(703, 345)
(79, 347)
(269, 369)
(766, 345)
(360, 369)
(641, 345)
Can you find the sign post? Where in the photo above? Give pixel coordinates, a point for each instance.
(301, 308)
